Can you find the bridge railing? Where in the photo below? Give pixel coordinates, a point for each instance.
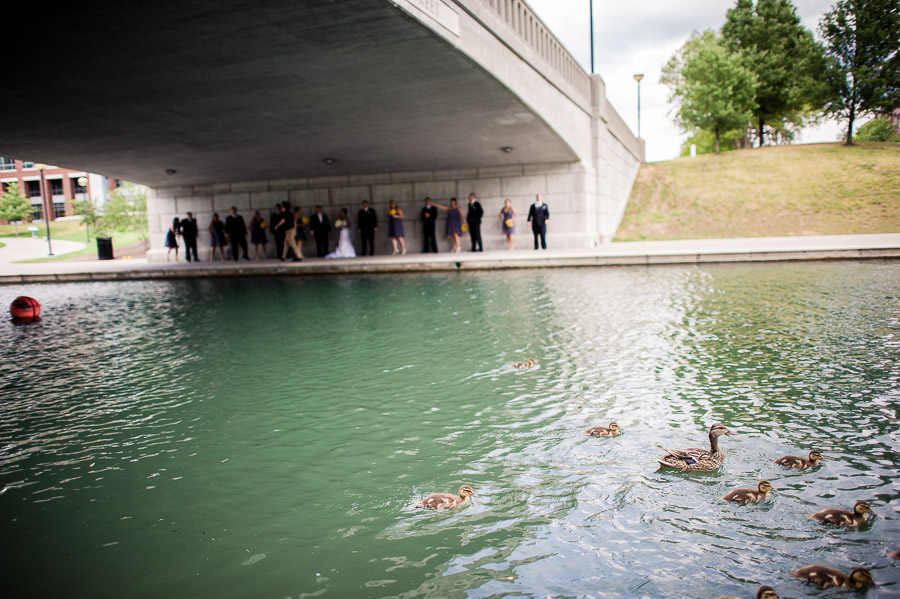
(528, 28)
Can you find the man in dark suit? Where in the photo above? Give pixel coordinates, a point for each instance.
(237, 233)
(189, 235)
(320, 226)
(366, 225)
(539, 216)
(429, 216)
(276, 219)
(473, 219)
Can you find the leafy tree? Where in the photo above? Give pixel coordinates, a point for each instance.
(89, 215)
(706, 141)
(881, 128)
(126, 210)
(862, 38)
(785, 58)
(713, 90)
(14, 206)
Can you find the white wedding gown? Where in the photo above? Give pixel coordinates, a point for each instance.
(345, 246)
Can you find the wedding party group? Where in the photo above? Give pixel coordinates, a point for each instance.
(289, 229)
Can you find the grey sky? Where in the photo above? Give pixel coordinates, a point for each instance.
(639, 37)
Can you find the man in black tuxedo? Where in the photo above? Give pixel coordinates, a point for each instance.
(473, 219)
(278, 229)
(320, 226)
(429, 216)
(539, 216)
(237, 233)
(366, 225)
(189, 235)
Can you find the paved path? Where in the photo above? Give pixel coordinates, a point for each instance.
(704, 251)
(26, 248)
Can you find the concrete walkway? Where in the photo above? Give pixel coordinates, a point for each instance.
(27, 248)
(704, 251)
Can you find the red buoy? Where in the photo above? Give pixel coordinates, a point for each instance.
(25, 308)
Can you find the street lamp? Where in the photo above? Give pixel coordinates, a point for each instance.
(41, 167)
(638, 78)
(88, 205)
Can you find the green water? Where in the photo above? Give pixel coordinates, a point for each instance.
(269, 437)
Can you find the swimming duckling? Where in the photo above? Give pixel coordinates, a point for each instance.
(763, 592)
(827, 577)
(599, 431)
(842, 517)
(698, 459)
(438, 501)
(745, 496)
(523, 365)
(795, 461)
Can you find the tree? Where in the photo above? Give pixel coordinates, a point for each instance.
(714, 91)
(14, 206)
(863, 70)
(126, 210)
(785, 58)
(881, 128)
(89, 215)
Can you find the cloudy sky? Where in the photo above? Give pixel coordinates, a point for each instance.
(639, 37)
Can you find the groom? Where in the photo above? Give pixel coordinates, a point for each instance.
(366, 225)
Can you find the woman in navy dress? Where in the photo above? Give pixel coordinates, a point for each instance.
(507, 220)
(171, 238)
(299, 233)
(216, 237)
(258, 234)
(454, 223)
(395, 227)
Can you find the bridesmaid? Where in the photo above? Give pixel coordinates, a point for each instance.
(507, 216)
(216, 237)
(171, 238)
(454, 223)
(395, 227)
(299, 233)
(258, 234)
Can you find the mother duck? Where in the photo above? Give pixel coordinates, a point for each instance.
(698, 459)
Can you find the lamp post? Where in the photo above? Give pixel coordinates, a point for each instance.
(41, 167)
(638, 78)
(83, 183)
(592, 35)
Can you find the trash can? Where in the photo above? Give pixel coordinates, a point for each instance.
(104, 248)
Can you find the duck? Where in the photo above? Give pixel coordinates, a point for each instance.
(844, 518)
(698, 459)
(763, 592)
(600, 431)
(827, 577)
(440, 501)
(745, 496)
(523, 365)
(795, 461)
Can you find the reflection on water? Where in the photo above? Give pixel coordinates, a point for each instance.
(268, 438)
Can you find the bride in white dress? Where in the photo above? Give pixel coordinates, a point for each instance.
(345, 246)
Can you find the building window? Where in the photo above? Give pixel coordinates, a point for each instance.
(56, 187)
(27, 164)
(7, 164)
(37, 212)
(33, 189)
(80, 192)
(59, 209)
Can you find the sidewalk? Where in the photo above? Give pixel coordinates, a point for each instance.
(27, 247)
(645, 253)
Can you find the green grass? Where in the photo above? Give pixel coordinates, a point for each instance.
(817, 189)
(70, 230)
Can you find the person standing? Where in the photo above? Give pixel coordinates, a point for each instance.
(473, 219)
(395, 227)
(539, 216)
(508, 222)
(189, 235)
(171, 238)
(237, 233)
(258, 234)
(290, 243)
(366, 225)
(429, 216)
(454, 224)
(320, 226)
(276, 220)
(299, 234)
(216, 237)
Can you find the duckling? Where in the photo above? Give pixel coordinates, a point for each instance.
(763, 592)
(523, 365)
(745, 496)
(795, 461)
(842, 517)
(599, 431)
(698, 459)
(827, 577)
(439, 501)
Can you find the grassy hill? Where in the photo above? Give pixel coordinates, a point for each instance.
(817, 189)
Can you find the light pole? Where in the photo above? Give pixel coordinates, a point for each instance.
(88, 205)
(41, 167)
(638, 78)
(592, 35)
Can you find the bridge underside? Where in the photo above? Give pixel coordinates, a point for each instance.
(232, 90)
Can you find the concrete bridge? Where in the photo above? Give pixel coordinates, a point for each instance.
(247, 103)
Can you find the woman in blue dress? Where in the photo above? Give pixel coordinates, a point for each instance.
(258, 234)
(395, 227)
(216, 237)
(507, 221)
(454, 223)
(171, 238)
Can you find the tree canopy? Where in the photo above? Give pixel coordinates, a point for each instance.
(14, 206)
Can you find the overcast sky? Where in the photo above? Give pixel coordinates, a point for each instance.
(639, 37)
